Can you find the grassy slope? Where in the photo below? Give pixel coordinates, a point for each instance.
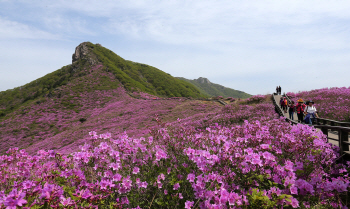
(213, 89)
(141, 77)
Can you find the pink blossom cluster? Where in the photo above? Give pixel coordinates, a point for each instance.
(235, 113)
(231, 99)
(252, 165)
(255, 99)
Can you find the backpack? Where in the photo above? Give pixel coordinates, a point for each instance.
(292, 108)
(300, 108)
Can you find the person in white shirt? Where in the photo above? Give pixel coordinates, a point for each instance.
(310, 112)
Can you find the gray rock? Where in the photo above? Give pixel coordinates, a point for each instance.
(83, 51)
(202, 80)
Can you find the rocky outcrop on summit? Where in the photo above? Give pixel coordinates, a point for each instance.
(83, 52)
(202, 80)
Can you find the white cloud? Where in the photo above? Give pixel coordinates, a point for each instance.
(68, 26)
(231, 23)
(252, 23)
(14, 30)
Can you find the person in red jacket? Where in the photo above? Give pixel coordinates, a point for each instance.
(300, 110)
(282, 103)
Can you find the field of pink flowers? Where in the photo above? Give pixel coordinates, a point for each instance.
(95, 148)
(332, 103)
(253, 165)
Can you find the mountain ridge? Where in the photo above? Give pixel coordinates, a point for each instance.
(132, 76)
(212, 89)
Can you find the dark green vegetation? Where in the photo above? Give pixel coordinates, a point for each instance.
(133, 76)
(211, 89)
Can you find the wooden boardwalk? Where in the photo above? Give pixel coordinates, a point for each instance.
(278, 97)
(332, 135)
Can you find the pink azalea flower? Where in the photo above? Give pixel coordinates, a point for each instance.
(265, 146)
(189, 204)
(191, 177)
(66, 202)
(176, 186)
(136, 170)
(15, 199)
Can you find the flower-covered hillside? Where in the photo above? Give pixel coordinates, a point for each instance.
(60, 121)
(253, 165)
(332, 103)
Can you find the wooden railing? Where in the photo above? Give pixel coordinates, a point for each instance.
(325, 125)
(278, 109)
(343, 138)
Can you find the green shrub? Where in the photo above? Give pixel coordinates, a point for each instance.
(82, 120)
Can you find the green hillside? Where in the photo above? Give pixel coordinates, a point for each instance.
(141, 77)
(133, 76)
(211, 89)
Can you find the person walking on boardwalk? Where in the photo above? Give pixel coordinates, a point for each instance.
(281, 103)
(310, 112)
(300, 107)
(285, 104)
(279, 90)
(291, 110)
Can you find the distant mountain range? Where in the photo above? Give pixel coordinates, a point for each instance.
(212, 89)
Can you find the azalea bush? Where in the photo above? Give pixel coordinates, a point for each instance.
(332, 103)
(254, 99)
(256, 164)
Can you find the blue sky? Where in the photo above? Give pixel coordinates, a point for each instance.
(246, 45)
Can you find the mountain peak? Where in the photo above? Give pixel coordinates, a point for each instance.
(83, 51)
(203, 80)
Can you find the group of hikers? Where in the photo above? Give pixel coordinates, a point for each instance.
(306, 111)
(278, 90)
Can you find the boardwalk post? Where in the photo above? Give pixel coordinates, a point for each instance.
(340, 142)
(343, 141)
(325, 132)
(344, 138)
